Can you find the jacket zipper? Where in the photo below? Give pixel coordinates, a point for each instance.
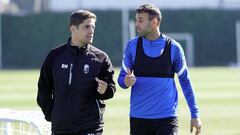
(70, 74)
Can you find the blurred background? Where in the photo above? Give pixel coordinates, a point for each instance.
(208, 30)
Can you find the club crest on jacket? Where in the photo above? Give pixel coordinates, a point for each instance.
(86, 69)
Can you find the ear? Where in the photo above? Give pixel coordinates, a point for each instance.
(155, 22)
(72, 28)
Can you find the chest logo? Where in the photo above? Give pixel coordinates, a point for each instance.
(64, 66)
(86, 69)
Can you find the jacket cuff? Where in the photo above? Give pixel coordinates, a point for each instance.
(195, 115)
(108, 94)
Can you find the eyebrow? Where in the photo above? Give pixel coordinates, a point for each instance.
(87, 25)
(140, 18)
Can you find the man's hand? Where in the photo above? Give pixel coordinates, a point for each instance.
(129, 79)
(197, 124)
(102, 86)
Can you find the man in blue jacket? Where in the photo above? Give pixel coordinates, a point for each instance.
(75, 78)
(149, 64)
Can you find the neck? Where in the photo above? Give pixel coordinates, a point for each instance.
(153, 35)
(77, 43)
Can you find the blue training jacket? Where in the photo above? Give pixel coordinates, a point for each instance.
(152, 97)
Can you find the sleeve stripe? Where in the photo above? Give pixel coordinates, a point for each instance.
(182, 69)
(124, 66)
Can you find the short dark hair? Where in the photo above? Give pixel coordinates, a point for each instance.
(152, 11)
(77, 17)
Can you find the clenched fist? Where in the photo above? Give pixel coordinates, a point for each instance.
(102, 86)
(129, 79)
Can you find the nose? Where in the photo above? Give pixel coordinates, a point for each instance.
(91, 31)
(136, 24)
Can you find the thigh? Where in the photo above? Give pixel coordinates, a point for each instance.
(96, 133)
(167, 130)
(140, 126)
(167, 127)
(92, 132)
(85, 132)
(82, 133)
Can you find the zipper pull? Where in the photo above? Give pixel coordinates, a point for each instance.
(70, 74)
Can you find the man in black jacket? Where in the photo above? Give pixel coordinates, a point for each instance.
(75, 78)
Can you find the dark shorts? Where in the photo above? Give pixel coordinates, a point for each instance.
(85, 132)
(165, 126)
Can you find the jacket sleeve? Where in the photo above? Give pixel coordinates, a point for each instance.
(127, 63)
(184, 79)
(106, 75)
(45, 88)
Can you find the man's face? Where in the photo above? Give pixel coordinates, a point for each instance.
(143, 25)
(84, 32)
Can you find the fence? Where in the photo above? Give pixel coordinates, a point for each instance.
(27, 39)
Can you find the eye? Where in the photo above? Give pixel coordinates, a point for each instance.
(89, 27)
(140, 20)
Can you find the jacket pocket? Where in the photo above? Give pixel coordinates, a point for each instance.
(61, 119)
(86, 114)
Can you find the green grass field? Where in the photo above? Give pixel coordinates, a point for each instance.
(217, 91)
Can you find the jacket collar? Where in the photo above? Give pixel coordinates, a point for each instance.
(75, 49)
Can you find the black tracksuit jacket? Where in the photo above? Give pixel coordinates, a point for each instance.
(67, 90)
